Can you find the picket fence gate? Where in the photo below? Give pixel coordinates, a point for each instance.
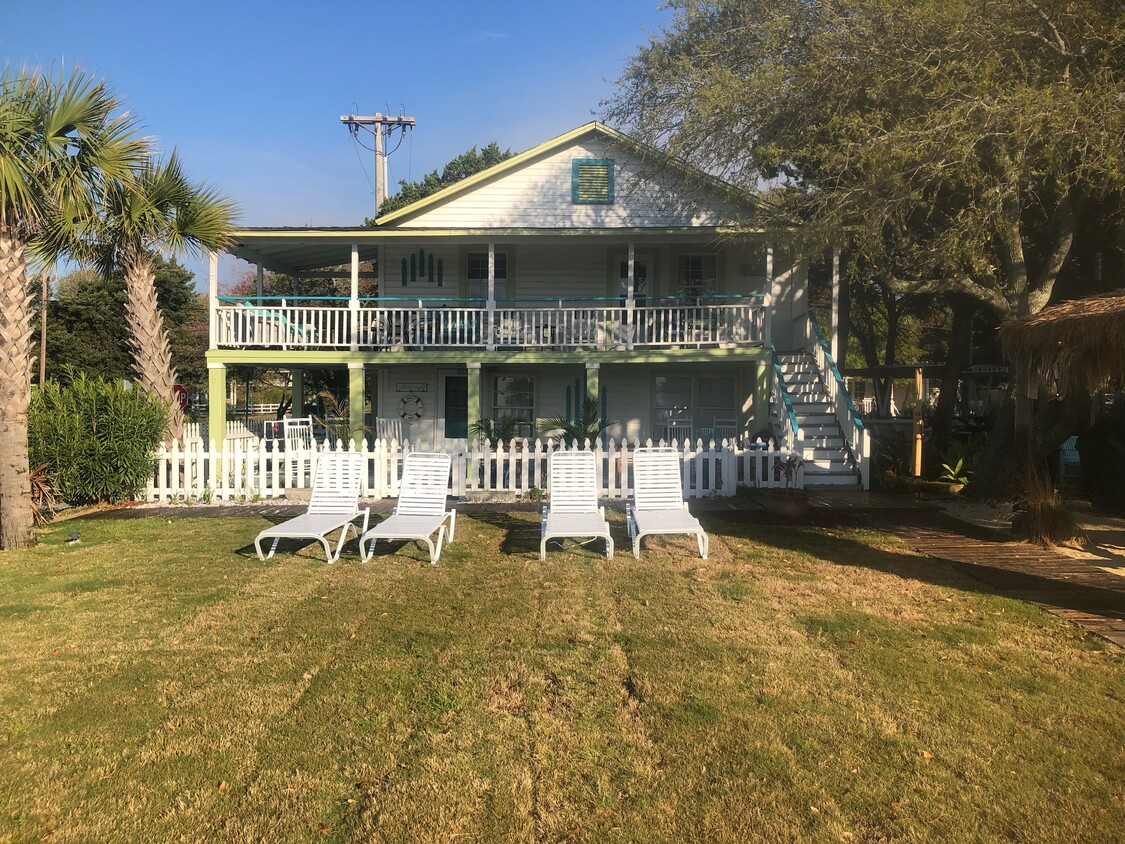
(255, 469)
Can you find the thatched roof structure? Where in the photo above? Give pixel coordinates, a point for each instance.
(1081, 342)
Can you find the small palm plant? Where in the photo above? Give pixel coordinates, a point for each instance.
(588, 425)
(495, 431)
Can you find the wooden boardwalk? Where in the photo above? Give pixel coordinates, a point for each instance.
(1073, 589)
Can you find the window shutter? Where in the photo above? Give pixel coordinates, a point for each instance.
(592, 181)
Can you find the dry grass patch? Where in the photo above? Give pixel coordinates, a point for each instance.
(159, 683)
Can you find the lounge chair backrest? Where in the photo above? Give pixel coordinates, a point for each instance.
(337, 483)
(657, 484)
(573, 482)
(424, 485)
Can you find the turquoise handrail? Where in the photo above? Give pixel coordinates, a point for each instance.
(786, 400)
(835, 371)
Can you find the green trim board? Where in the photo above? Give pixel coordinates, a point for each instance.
(296, 357)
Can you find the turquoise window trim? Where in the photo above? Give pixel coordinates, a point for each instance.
(574, 168)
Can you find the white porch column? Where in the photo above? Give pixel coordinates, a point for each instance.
(260, 281)
(491, 303)
(353, 303)
(834, 329)
(630, 293)
(213, 300)
(771, 297)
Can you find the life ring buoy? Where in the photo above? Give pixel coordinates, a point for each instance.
(410, 408)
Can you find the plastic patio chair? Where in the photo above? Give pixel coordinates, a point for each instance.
(420, 512)
(334, 503)
(658, 501)
(572, 495)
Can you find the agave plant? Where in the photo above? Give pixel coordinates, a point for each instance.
(588, 425)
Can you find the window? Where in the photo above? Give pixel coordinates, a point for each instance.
(592, 181)
(476, 275)
(673, 398)
(514, 396)
(696, 275)
(716, 400)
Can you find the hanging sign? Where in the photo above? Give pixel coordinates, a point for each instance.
(411, 388)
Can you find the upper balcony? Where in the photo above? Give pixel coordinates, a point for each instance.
(388, 324)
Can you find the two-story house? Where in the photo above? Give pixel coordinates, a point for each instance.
(580, 268)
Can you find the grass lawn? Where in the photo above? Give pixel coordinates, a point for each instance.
(159, 683)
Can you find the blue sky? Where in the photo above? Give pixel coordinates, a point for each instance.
(251, 92)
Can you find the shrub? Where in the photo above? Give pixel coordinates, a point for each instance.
(95, 437)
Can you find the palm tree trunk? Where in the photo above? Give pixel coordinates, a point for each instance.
(152, 356)
(15, 390)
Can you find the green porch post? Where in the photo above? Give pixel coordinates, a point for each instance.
(761, 409)
(216, 404)
(592, 387)
(356, 401)
(473, 402)
(298, 409)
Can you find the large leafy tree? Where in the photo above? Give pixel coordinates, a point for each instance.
(955, 144)
(62, 142)
(85, 330)
(461, 167)
(158, 209)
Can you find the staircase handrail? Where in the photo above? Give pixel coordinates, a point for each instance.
(792, 433)
(856, 435)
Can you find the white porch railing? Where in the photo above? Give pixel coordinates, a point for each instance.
(567, 325)
(856, 435)
(254, 469)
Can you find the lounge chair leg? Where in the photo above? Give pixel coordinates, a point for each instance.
(637, 547)
(609, 547)
(452, 524)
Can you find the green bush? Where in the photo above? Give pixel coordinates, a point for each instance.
(95, 437)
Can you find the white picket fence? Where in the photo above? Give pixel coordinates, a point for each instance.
(254, 469)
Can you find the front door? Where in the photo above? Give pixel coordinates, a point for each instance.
(641, 264)
(455, 409)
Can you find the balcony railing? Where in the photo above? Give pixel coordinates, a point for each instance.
(419, 324)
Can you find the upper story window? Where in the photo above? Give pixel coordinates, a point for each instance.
(476, 275)
(696, 275)
(592, 181)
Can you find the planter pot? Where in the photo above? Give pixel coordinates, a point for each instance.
(788, 504)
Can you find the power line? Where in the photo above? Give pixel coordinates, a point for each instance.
(377, 124)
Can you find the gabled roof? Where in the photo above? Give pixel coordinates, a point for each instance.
(646, 153)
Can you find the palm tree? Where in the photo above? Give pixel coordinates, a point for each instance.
(61, 143)
(587, 425)
(158, 209)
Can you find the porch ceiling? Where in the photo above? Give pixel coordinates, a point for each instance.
(297, 250)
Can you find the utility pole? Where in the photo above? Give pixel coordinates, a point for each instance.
(376, 124)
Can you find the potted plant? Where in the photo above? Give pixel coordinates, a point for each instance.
(587, 426)
(788, 502)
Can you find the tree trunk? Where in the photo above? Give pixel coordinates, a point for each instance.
(956, 358)
(151, 352)
(16, 519)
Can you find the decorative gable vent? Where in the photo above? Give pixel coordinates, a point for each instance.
(592, 181)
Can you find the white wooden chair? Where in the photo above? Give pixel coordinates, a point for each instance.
(658, 501)
(572, 495)
(298, 433)
(675, 430)
(726, 429)
(420, 512)
(334, 503)
(388, 429)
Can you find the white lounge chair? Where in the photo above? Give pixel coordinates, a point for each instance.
(421, 506)
(658, 501)
(334, 503)
(572, 493)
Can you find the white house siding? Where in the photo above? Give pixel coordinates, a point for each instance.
(538, 195)
(560, 270)
(421, 287)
